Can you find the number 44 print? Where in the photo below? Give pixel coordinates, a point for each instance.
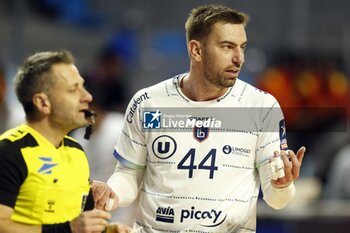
(208, 163)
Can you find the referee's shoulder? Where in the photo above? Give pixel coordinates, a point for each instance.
(72, 142)
(14, 134)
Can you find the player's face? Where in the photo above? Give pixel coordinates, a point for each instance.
(69, 98)
(223, 54)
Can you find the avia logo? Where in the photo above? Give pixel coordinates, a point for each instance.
(210, 217)
(47, 166)
(165, 214)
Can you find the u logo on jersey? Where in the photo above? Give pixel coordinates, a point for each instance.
(200, 133)
(164, 146)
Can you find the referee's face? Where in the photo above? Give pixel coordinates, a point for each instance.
(69, 98)
(223, 54)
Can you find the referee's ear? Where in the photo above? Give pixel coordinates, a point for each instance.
(42, 103)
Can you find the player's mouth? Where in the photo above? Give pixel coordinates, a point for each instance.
(233, 72)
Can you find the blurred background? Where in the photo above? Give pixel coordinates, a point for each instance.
(298, 50)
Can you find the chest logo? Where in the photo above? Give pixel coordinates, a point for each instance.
(200, 133)
(47, 166)
(164, 146)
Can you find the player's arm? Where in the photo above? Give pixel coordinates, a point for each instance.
(124, 182)
(277, 176)
(276, 171)
(130, 153)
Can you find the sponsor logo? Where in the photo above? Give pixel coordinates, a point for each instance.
(283, 135)
(151, 120)
(164, 146)
(47, 166)
(135, 105)
(50, 205)
(201, 133)
(165, 214)
(208, 218)
(227, 149)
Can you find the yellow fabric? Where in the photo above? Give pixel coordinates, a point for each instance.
(57, 183)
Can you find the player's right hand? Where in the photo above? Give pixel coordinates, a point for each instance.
(90, 221)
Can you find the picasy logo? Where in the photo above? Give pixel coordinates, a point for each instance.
(47, 166)
(164, 146)
(165, 214)
(207, 218)
(152, 120)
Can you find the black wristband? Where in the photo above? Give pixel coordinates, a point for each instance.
(56, 228)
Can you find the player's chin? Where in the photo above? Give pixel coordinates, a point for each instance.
(229, 82)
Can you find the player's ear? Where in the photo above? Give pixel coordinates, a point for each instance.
(42, 102)
(194, 50)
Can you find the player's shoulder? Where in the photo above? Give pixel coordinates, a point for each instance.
(163, 89)
(253, 96)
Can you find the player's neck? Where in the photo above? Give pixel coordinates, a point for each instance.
(197, 89)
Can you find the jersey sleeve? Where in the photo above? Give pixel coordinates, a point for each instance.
(272, 138)
(131, 149)
(13, 171)
(272, 132)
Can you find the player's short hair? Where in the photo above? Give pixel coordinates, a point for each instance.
(35, 76)
(200, 21)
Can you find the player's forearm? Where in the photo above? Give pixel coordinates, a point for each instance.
(278, 198)
(8, 226)
(125, 183)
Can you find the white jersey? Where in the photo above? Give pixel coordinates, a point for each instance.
(203, 179)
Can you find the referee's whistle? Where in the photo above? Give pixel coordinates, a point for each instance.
(90, 116)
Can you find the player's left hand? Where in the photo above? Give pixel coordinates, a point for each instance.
(103, 196)
(291, 167)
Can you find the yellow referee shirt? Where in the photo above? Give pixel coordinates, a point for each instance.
(43, 184)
